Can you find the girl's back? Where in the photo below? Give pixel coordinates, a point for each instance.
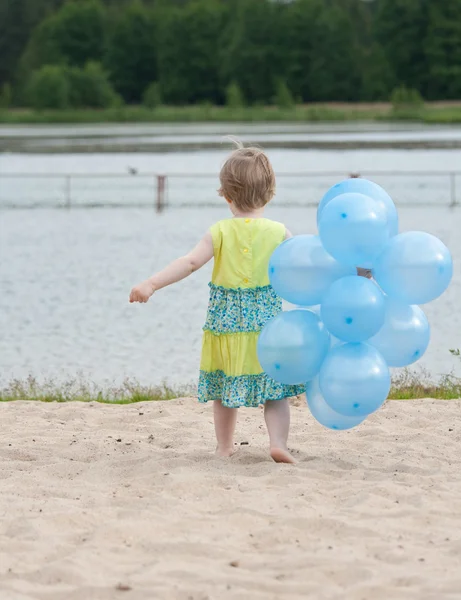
(242, 249)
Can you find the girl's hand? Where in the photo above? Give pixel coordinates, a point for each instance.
(142, 292)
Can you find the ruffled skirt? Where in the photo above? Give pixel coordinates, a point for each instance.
(230, 369)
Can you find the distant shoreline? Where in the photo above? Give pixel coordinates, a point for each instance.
(104, 146)
(93, 140)
(436, 113)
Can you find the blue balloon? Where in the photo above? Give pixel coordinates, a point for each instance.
(368, 188)
(292, 346)
(353, 309)
(334, 341)
(354, 229)
(405, 335)
(301, 271)
(354, 379)
(415, 268)
(324, 414)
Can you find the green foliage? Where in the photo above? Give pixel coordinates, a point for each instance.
(402, 97)
(248, 52)
(49, 88)
(80, 31)
(132, 52)
(74, 35)
(283, 96)
(323, 50)
(90, 87)
(59, 87)
(401, 29)
(188, 52)
(152, 97)
(18, 18)
(378, 79)
(80, 390)
(335, 66)
(199, 113)
(234, 96)
(406, 385)
(5, 96)
(407, 103)
(443, 50)
(409, 384)
(295, 46)
(42, 49)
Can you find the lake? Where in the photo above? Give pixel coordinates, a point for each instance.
(66, 274)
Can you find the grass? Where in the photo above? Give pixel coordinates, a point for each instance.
(413, 385)
(447, 115)
(408, 385)
(186, 114)
(79, 390)
(204, 113)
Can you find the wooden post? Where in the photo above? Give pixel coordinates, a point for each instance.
(161, 185)
(68, 190)
(453, 189)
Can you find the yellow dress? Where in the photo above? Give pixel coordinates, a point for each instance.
(241, 302)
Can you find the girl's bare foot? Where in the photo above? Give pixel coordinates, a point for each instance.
(225, 452)
(277, 415)
(281, 455)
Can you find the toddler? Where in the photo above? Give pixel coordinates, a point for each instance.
(241, 303)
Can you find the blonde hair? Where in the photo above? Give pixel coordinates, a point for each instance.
(247, 178)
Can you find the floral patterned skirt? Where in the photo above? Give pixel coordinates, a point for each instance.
(230, 370)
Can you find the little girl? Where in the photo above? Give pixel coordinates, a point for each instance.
(241, 303)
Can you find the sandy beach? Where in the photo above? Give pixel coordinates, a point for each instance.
(106, 502)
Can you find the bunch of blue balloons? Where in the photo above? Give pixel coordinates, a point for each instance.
(348, 330)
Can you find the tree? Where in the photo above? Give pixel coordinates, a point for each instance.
(296, 41)
(443, 50)
(49, 88)
(5, 96)
(80, 31)
(378, 78)
(152, 96)
(283, 96)
(336, 62)
(401, 29)
(74, 35)
(248, 51)
(42, 49)
(224, 51)
(132, 54)
(403, 99)
(90, 87)
(188, 52)
(234, 96)
(18, 18)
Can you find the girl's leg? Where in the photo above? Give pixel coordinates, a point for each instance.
(224, 425)
(277, 415)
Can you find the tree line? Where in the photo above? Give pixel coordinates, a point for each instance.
(58, 53)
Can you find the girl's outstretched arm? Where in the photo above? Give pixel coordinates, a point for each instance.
(177, 270)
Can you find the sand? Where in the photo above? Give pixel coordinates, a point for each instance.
(102, 502)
